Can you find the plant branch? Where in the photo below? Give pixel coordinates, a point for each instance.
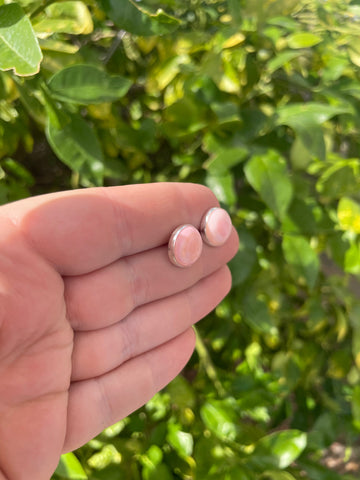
(208, 365)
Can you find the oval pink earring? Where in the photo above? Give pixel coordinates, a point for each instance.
(216, 227)
(185, 246)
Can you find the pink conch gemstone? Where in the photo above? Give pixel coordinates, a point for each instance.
(216, 227)
(185, 246)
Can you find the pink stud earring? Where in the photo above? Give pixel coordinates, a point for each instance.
(216, 227)
(185, 246)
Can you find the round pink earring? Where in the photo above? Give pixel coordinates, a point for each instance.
(185, 246)
(216, 227)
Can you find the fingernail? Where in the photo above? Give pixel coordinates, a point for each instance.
(216, 227)
(185, 246)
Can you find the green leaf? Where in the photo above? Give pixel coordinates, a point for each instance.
(181, 441)
(281, 59)
(160, 472)
(356, 346)
(309, 143)
(301, 218)
(70, 467)
(223, 187)
(245, 260)
(28, 96)
(131, 17)
(257, 316)
(280, 449)
(181, 393)
(339, 364)
(268, 175)
(300, 116)
(303, 40)
(223, 155)
(306, 120)
(19, 48)
(277, 475)
(86, 84)
(302, 258)
(340, 179)
(18, 171)
(352, 259)
(348, 214)
(219, 419)
(78, 147)
(154, 455)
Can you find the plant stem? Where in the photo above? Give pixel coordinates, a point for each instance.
(206, 361)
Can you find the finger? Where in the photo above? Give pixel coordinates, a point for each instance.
(100, 351)
(104, 297)
(102, 401)
(83, 230)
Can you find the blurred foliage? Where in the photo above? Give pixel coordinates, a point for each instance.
(260, 101)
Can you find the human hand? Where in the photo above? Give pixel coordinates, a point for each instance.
(94, 318)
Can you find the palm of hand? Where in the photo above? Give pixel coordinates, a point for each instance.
(93, 317)
(36, 344)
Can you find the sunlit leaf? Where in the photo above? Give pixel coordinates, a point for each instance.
(348, 214)
(352, 259)
(181, 441)
(70, 468)
(72, 17)
(19, 48)
(107, 455)
(234, 40)
(280, 449)
(303, 40)
(219, 419)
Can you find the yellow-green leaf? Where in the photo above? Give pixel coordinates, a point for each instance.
(70, 467)
(72, 17)
(303, 40)
(234, 40)
(349, 215)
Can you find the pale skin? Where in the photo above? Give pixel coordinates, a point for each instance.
(94, 318)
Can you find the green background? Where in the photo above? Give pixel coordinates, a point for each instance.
(259, 100)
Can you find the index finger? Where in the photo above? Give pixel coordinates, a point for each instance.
(82, 230)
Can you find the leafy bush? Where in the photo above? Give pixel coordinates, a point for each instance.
(260, 101)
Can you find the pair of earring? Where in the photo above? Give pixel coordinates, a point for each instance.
(186, 242)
